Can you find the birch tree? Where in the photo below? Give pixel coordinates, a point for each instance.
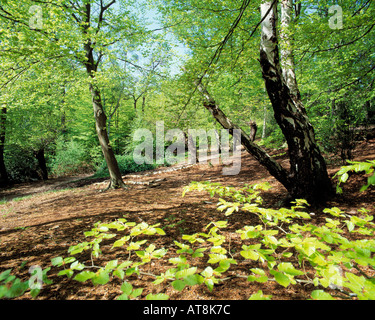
(308, 177)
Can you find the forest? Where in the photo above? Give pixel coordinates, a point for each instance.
(187, 150)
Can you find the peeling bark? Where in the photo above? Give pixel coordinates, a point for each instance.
(286, 52)
(308, 173)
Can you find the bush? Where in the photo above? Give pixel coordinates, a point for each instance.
(367, 167)
(69, 159)
(21, 164)
(126, 165)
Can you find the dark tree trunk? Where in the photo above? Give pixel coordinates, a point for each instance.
(39, 155)
(4, 180)
(308, 173)
(253, 130)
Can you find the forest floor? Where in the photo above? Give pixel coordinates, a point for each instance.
(40, 221)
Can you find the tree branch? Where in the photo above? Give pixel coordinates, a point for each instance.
(275, 169)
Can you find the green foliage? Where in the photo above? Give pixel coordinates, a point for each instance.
(367, 167)
(69, 158)
(21, 164)
(113, 268)
(127, 165)
(284, 247)
(13, 287)
(10, 286)
(323, 248)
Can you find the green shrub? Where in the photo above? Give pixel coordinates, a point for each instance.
(126, 165)
(367, 167)
(21, 164)
(69, 159)
(12, 287)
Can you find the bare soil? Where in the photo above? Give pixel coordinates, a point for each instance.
(53, 215)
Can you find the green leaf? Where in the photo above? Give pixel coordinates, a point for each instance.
(209, 283)
(258, 271)
(130, 271)
(280, 278)
(344, 177)
(321, 295)
(136, 292)
(119, 273)
(260, 279)
(34, 292)
(260, 276)
(371, 180)
(288, 268)
(208, 272)
(186, 272)
(308, 248)
(198, 253)
(58, 261)
(5, 275)
(158, 296)
(84, 276)
(179, 260)
(259, 296)
(215, 258)
(111, 265)
(124, 265)
(123, 297)
(68, 272)
(178, 285)
(69, 260)
(102, 278)
(121, 242)
(304, 215)
(350, 225)
(250, 254)
(193, 279)
(126, 288)
(76, 265)
(160, 231)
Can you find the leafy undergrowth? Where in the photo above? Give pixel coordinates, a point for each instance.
(282, 246)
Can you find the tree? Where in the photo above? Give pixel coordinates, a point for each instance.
(81, 31)
(91, 63)
(4, 180)
(308, 177)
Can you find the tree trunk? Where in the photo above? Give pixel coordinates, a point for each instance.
(264, 122)
(143, 104)
(39, 155)
(101, 130)
(308, 175)
(253, 130)
(4, 179)
(99, 114)
(286, 52)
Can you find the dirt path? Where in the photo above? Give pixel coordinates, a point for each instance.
(54, 216)
(34, 188)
